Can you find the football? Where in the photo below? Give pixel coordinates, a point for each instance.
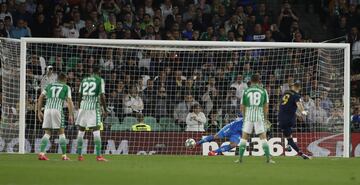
(190, 143)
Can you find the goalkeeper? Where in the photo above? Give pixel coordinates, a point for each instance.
(232, 131)
(291, 101)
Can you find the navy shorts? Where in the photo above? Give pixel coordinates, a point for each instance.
(286, 127)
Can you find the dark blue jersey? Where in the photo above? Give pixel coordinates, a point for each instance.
(287, 110)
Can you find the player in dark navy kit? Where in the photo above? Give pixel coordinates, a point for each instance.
(290, 102)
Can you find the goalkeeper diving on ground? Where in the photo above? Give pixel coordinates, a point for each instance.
(231, 131)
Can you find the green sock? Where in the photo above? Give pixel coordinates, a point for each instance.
(44, 142)
(97, 140)
(266, 149)
(62, 142)
(242, 149)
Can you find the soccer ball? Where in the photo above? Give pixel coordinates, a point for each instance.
(190, 143)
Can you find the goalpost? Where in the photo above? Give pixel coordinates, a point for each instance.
(165, 74)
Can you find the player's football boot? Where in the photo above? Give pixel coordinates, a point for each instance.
(101, 158)
(212, 153)
(288, 148)
(270, 161)
(42, 157)
(304, 156)
(65, 158)
(81, 158)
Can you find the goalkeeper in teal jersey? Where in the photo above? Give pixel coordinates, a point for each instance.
(92, 96)
(254, 107)
(53, 118)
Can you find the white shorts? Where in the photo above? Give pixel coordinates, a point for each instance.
(249, 126)
(53, 119)
(88, 118)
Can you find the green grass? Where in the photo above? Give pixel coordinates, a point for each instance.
(177, 170)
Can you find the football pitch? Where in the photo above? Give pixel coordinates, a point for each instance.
(18, 169)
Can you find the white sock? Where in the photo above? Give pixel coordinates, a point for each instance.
(81, 134)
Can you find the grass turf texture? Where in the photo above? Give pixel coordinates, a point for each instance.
(176, 170)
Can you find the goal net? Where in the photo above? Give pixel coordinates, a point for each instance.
(152, 86)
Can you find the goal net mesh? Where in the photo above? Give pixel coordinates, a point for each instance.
(158, 86)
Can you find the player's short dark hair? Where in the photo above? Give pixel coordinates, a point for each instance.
(255, 78)
(62, 77)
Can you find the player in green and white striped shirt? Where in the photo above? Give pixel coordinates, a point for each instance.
(92, 95)
(254, 106)
(53, 118)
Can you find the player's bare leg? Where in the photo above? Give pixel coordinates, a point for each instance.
(80, 140)
(44, 142)
(265, 146)
(62, 142)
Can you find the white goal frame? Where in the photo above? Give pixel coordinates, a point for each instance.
(346, 47)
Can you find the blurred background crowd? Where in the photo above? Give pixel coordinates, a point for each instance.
(142, 83)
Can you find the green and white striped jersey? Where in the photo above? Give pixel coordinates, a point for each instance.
(90, 88)
(254, 98)
(56, 95)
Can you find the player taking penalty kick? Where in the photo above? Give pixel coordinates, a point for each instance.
(291, 101)
(92, 95)
(254, 107)
(53, 118)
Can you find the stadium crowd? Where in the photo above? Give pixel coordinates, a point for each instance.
(142, 84)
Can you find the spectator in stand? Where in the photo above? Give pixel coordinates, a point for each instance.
(335, 122)
(187, 33)
(107, 7)
(195, 120)
(146, 22)
(317, 115)
(8, 24)
(190, 13)
(232, 23)
(149, 7)
(22, 14)
(208, 34)
(326, 103)
(342, 27)
(182, 109)
(4, 12)
(87, 31)
(355, 119)
(285, 19)
(239, 85)
(106, 62)
(79, 23)
(162, 107)
(69, 30)
(110, 23)
(40, 27)
(3, 31)
(166, 8)
(213, 124)
(258, 34)
(133, 103)
(354, 39)
(20, 30)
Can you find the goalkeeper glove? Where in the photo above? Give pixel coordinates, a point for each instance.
(305, 113)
